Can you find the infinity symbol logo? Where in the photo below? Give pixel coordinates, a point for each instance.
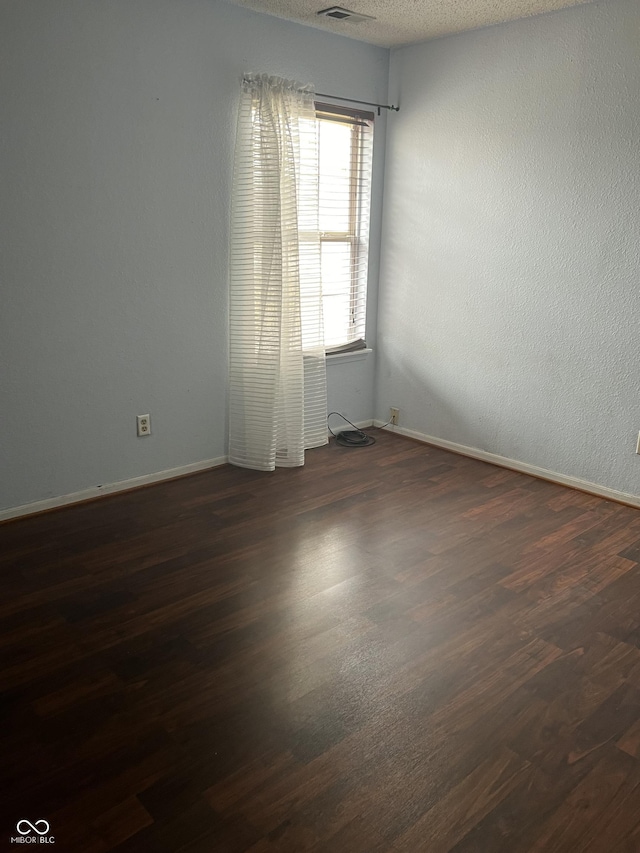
(32, 827)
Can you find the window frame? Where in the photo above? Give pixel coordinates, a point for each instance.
(357, 119)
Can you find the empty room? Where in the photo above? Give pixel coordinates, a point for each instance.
(320, 426)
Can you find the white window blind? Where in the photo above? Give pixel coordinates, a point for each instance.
(345, 148)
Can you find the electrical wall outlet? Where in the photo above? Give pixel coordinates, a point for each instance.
(394, 414)
(638, 444)
(144, 425)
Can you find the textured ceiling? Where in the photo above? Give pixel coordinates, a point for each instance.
(405, 21)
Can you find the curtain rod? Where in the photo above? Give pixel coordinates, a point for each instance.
(364, 103)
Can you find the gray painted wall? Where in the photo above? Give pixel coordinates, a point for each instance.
(118, 125)
(510, 280)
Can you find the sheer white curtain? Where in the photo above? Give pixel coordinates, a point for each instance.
(277, 404)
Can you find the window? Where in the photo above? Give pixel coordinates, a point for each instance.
(345, 144)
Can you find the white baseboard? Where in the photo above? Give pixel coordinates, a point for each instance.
(133, 483)
(522, 467)
(110, 488)
(344, 426)
(463, 450)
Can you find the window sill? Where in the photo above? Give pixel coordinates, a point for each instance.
(341, 357)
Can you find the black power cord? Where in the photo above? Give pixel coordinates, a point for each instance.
(351, 437)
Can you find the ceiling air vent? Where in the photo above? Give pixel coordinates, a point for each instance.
(340, 14)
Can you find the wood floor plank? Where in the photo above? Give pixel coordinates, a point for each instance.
(393, 648)
(459, 811)
(582, 814)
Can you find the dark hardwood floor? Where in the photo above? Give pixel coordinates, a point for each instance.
(390, 649)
